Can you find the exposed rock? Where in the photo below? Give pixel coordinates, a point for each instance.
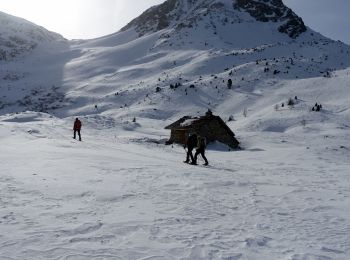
(273, 11)
(155, 18)
(179, 14)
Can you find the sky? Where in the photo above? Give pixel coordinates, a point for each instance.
(329, 17)
(78, 19)
(86, 19)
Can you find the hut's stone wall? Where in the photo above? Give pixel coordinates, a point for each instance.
(213, 130)
(179, 136)
(211, 127)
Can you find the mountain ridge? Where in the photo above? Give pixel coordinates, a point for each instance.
(126, 74)
(18, 36)
(185, 13)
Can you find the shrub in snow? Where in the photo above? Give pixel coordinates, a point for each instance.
(229, 83)
(290, 102)
(327, 74)
(245, 112)
(158, 89)
(303, 122)
(317, 107)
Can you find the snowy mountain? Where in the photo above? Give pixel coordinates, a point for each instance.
(123, 194)
(18, 36)
(28, 72)
(196, 44)
(187, 14)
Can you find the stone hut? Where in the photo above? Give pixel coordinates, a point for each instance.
(212, 127)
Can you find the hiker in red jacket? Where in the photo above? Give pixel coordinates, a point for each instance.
(77, 128)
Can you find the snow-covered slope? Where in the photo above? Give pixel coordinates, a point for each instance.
(31, 65)
(200, 46)
(132, 72)
(18, 36)
(122, 194)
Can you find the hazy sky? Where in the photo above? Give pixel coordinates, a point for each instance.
(85, 19)
(329, 17)
(78, 19)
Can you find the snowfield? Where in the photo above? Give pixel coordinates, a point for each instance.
(123, 194)
(120, 195)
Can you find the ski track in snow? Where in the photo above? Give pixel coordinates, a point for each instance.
(109, 198)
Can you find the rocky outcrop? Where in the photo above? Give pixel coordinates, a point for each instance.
(185, 13)
(273, 11)
(154, 19)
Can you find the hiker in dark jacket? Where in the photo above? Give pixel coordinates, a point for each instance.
(201, 145)
(77, 128)
(190, 144)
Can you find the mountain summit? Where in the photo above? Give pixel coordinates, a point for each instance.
(179, 14)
